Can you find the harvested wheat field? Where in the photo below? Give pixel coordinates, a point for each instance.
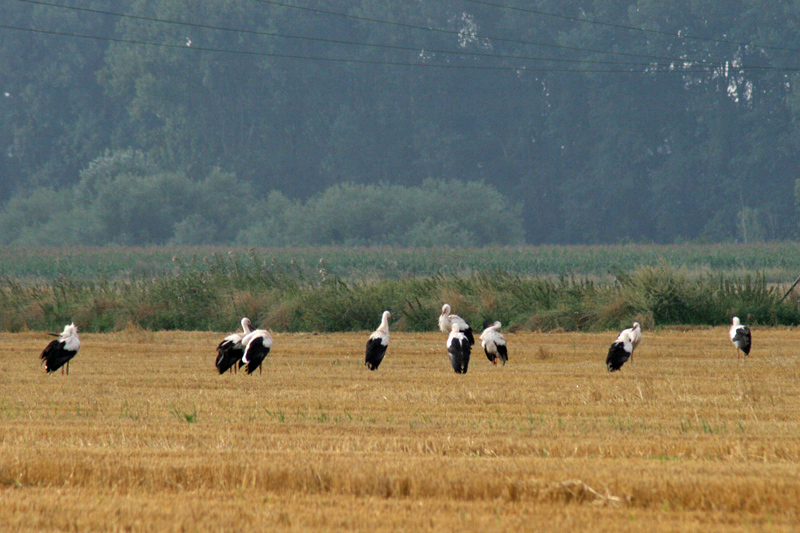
(144, 435)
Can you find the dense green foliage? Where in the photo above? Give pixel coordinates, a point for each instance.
(123, 199)
(215, 292)
(682, 129)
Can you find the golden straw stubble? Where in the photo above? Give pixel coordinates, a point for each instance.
(145, 435)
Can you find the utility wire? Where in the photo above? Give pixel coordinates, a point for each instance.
(494, 38)
(680, 64)
(191, 47)
(330, 41)
(632, 28)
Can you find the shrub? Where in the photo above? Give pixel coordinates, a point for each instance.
(215, 292)
(104, 169)
(439, 213)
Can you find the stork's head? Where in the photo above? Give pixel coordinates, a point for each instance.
(636, 326)
(736, 321)
(70, 330)
(495, 325)
(446, 309)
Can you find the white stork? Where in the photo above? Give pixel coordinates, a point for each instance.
(635, 334)
(446, 320)
(377, 343)
(621, 349)
(494, 344)
(458, 346)
(231, 350)
(256, 344)
(740, 337)
(58, 353)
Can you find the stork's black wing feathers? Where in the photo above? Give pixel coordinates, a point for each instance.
(459, 355)
(256, 355)
(742, 339)
(228, 353)
(376, 351)
(502, 351)
(52, 348)
(489, 355)
(468, 334)
(55, 356)
(617, 356)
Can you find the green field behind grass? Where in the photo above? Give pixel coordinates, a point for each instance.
(570, 288)
(778, 262)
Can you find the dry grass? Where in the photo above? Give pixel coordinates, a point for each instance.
(143, 435)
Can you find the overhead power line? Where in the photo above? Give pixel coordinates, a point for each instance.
(675, 65)
(329, 41)
(192, 47)
(481, 36)
(632, 28)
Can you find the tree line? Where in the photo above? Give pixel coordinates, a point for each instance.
(611, 121)
(122, 198)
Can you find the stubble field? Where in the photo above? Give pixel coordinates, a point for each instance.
(143, 435)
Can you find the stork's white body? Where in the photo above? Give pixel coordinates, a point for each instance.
(257, 345)
(494, 344)
(377, 343)
(633, 335)
(446, 321)
(740, 337)
(59, 352)
(458, 347)
(619, 353)
(231, 350)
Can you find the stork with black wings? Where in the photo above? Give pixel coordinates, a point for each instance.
(740, 337)
(377, 343)
(494, 344)
(231, 350)
(459, 348)
(446, 320)
(257, 345)
(59, 352)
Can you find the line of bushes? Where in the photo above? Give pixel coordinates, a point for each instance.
(123, 198)
(214, 293)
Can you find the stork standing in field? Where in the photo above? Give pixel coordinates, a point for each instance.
(58, 353)
(446, 320)
(458, 346)
(740, 337)
(494, 344)
(231, 350)
(621, 349)
(377, 343)
(634, 333)
(256, 344)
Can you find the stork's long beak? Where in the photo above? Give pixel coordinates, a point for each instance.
(54, 334)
